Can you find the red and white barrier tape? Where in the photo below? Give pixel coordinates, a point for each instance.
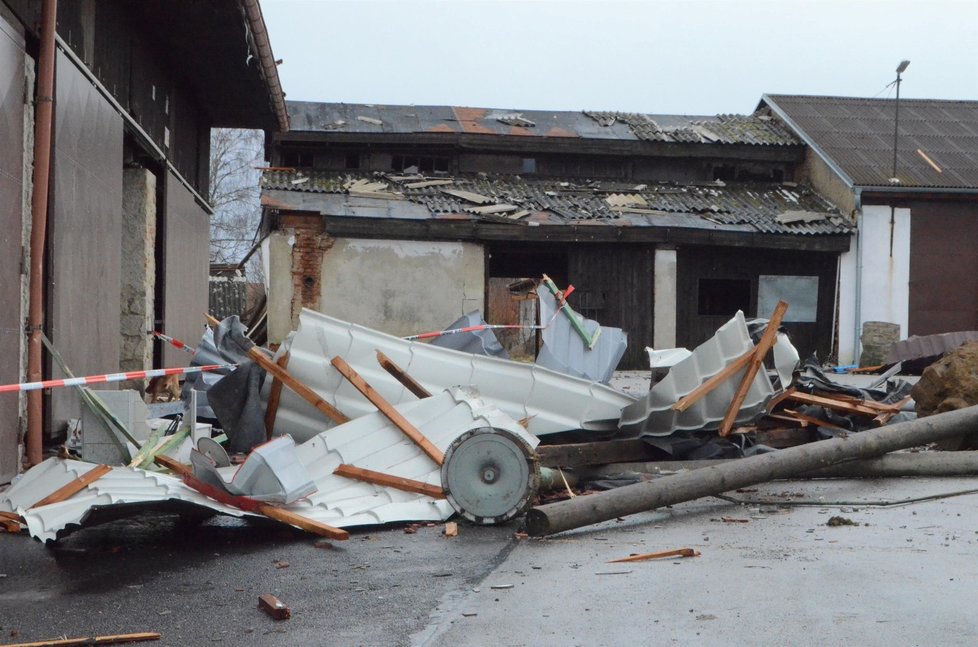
(112, 377)
(176, 343)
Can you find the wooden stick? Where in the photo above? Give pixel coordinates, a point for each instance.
(760, 352)
(10, 516)
(833, 403)
(697, 394)
(274, 395)
(401, 376)
(74, 487)
(92, 640)
(681, 552)
(388, 410)
(813, 420)
(298, 387)
(251, 505)
(389, 480)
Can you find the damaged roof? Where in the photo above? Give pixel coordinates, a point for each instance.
(748, 207)
(938, 140)
(757, 129)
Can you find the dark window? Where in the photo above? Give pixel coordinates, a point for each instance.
(296, 158)
(353, 161)
(418, 164)
(723, 297)
(724, 173)
(529, 165)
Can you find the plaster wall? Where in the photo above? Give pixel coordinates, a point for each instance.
(664, 286)
(874, 277)
(402, 287)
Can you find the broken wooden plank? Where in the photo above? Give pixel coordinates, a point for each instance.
(709, 385)
(251, 505)
(389, 480)
(596, 453)
(274, 607)
(74, 487)
(760, 352)
(401, 376)
(812, 420)
(681, 552)
(92, 640)
(834, 403)
(298, 387)
(388, 410)
(274, 396)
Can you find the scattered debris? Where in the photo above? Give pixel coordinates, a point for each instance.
(680, 552)
(116, 639)
(274, 607)
(841, 521)
(451, 529)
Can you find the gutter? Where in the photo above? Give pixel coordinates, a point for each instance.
(43, 123)
(259, 34)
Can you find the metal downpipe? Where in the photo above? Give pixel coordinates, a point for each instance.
(43, 119)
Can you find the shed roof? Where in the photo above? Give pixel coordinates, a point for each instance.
(937, 143)
(743, 207)
(369, 119)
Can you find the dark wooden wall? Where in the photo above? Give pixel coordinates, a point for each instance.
(695, 263)
(614, 287)
(943, 267)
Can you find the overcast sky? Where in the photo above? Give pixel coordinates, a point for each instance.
(658, 56)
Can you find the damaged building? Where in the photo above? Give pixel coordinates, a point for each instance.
(911, 188)
(137, 87)
(404, 218)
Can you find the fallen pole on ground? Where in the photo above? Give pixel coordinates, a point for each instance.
(582, 511)
(922, 464)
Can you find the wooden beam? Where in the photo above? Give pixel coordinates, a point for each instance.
(835, 404)
(298, 387)
(91, 640)
(760, 352)
(274, 395)
(682, 552)
(389, 480)
(251, 505)
(388, 410)
(74, 487)
(596, 453)
(699, 392)
(401, 376)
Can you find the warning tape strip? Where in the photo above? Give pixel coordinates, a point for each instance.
(113, 377)
(176, 343)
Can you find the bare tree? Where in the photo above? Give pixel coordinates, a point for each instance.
(235, 193)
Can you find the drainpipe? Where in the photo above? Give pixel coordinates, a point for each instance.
(858, 312)
(43, 117)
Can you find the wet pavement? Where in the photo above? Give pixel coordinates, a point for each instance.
(198, 583)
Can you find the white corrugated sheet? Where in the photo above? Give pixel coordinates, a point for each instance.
(369, 442)
(552, 402)
(653, 415)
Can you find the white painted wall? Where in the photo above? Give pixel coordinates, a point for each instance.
(278, 283)
(664, 309)
(877, 272)
(402, 287)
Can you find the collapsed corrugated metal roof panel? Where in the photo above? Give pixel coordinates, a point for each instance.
(551, 401)
(755, 205)
(857, 134)
(400, 119)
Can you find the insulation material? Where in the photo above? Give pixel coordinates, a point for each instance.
(550, 401)
(565, 351)
(653, 415)
(371, 442)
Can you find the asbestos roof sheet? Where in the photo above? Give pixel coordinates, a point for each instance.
(857, 135)
(752, 207)
(757, 130)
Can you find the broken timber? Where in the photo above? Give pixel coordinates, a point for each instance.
(274, 395)
(389, 480)
(401, 376)
(300, 389)
(75, 486)
(581, 511)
